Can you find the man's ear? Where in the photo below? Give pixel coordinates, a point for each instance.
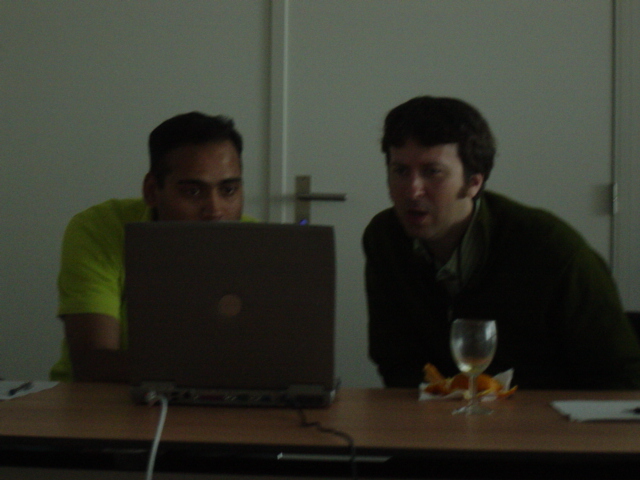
(150, 190)
(474, 184)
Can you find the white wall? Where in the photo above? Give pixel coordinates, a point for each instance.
(83, 83)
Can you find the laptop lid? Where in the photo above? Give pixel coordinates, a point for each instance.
(230, 307)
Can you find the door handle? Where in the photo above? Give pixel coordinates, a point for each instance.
(335, 197)
(303, 197)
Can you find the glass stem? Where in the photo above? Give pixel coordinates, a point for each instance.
(473, 390)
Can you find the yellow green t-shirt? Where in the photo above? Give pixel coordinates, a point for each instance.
(91, 278)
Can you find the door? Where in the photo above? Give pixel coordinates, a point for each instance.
(538, 70)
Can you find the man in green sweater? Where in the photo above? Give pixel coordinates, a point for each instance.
(449, 249)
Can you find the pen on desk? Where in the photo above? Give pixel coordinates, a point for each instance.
(19, 388)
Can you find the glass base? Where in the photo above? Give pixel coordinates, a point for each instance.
(473, 409)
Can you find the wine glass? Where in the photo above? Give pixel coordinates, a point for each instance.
(473, 344)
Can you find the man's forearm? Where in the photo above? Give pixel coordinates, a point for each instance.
(94, 348)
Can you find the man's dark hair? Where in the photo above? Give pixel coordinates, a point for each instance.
(432, 121)
(193, 128)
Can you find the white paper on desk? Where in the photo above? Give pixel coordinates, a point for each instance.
(7, 385)
(597, 410)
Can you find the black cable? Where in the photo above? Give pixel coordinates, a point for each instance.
(345, 436)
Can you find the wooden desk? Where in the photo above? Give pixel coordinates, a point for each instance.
(391, 427)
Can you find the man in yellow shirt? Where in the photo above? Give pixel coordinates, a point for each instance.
(195, 174)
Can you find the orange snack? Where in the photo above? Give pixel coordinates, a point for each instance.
(438, 388)
(431, 374)
(484, 383)
(506, 393)
(437, 384)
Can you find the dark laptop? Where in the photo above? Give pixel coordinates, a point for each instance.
(231, 313)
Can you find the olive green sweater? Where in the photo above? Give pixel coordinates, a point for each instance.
(560, 321)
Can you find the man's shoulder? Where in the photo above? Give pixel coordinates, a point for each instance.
(382, 222)
(503, 209)
(385, 234)
(248, 219)
(114, 211)
(529, 225)
(104, 223)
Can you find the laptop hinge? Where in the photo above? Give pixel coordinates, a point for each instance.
(308, 395)
(152, 391)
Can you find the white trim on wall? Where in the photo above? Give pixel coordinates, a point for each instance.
(278, 126)
(626, 147)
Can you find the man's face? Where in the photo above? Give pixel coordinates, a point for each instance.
(204, 183)
(430, 195)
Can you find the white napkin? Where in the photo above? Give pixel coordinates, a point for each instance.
(12, 388)
(594, 410)
(504, 378)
